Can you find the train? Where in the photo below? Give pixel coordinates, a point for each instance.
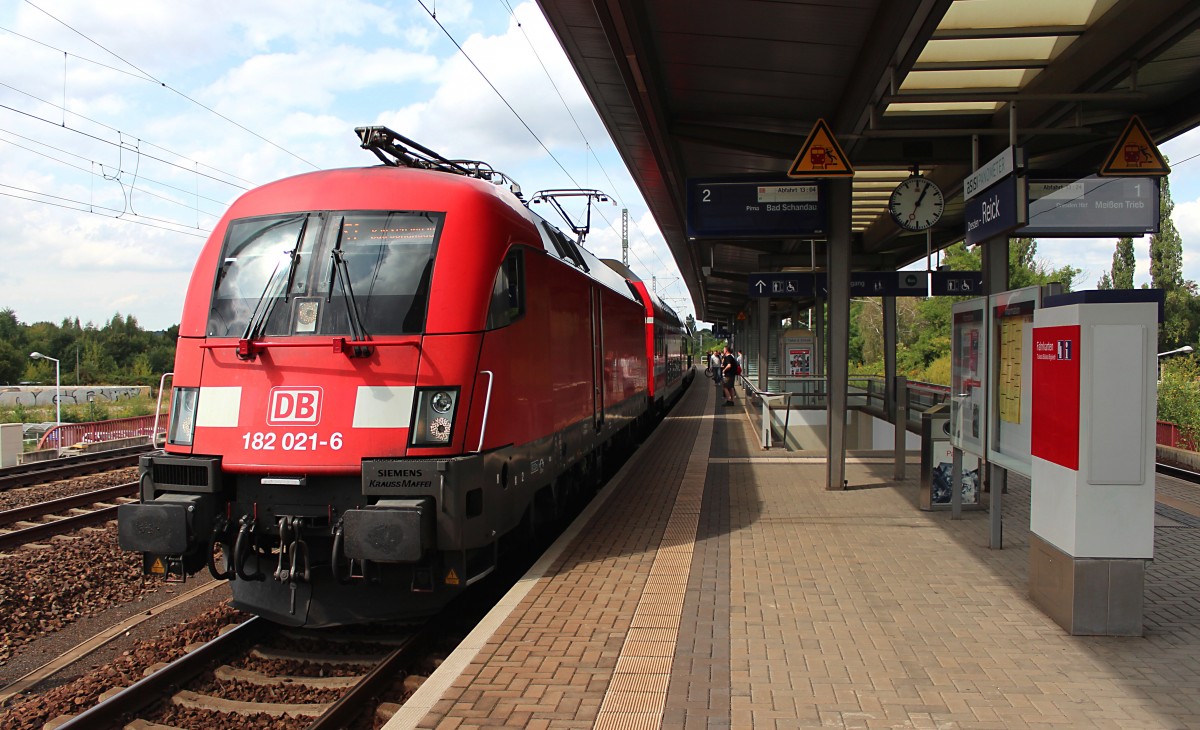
(383, 374)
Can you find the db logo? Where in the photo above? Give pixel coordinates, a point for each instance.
(294, 405)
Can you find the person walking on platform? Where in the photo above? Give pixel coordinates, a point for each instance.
(716, 368)
(729, 372)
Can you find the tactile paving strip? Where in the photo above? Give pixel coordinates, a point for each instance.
(638, 691)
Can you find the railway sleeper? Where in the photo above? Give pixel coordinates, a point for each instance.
(226, 673)
(196, 701)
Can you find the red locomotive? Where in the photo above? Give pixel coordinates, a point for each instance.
(381, 372)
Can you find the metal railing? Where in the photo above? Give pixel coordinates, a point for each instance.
(70, 434)
(866, 392)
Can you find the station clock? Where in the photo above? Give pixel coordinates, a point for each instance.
(916, 204)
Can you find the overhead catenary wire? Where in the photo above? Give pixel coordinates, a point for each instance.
(84, 208)
(110, 142)
(172, 89)
(107, 177)
(587, 143)
(190, 193)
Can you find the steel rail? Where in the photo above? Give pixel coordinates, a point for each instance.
(116, 710)
(48, 471)
(1177, 472)
(26, 535)
(54, 506)
(352, 704)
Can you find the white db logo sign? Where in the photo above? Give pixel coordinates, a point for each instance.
(294, 405)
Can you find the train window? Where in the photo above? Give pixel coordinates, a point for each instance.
(508, 292)
(255, 265)
(329, 273)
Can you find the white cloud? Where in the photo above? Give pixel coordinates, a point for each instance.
(301, 75)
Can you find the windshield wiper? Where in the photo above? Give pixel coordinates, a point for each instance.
(266, 301)
(341, 271)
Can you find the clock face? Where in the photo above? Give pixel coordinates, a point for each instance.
(916, 204)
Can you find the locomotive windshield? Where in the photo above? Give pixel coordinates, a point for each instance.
(348, 273)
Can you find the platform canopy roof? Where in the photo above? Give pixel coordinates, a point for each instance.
(712, 88)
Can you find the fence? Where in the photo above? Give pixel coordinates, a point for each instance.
(69, 434)
(1168, 434)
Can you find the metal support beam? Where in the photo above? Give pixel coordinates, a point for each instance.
(889, 357)
(900, 426)
(839, 328)
(995, 280)
(764, 343)
(819, 329)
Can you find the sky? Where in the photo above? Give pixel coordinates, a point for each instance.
(127, 128)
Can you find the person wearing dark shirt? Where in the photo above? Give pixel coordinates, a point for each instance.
(729, 371)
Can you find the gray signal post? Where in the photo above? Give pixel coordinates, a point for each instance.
(995, 205)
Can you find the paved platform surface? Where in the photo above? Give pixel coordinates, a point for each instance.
(721, 586)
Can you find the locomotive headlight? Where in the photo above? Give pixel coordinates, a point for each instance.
(433, 416)
(442, 401)
(183, 416)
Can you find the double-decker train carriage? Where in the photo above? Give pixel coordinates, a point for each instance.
(380, 373)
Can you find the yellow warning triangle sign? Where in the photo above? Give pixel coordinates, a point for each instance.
(821, 155)
(1135, 153)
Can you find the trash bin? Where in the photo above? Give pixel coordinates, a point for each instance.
(937, 463)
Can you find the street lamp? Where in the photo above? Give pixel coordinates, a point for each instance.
(1177, 351)
(57, 399)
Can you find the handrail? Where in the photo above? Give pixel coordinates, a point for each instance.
(158, 406)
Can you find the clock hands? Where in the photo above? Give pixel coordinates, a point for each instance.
(922, 196)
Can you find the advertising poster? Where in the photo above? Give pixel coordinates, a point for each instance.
(798, 346)
(943, 471)
(968, 376)
(799, 361)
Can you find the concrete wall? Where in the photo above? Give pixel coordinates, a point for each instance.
(809, 430)
(42, 395)
(1178, 457)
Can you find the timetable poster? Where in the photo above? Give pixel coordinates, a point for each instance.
(1012, 332)
(1010, 375)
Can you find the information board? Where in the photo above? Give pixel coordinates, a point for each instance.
(1010, 374)
(968, 375)
(1093, 206)
(997, 211)
(756, 207)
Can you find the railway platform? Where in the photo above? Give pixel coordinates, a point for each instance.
(716, 585)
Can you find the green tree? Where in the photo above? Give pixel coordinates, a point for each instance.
(1124, 264)
(12, 363)
(11, 330)
(1166, 247)
(1180, 308)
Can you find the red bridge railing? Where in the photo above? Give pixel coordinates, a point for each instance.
(69, 434)
(1168, 434)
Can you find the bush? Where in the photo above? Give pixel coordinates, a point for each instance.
(1179, 395)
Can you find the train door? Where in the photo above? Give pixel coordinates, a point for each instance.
(597, 340)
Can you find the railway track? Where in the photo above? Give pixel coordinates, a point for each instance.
(354, 676)
(70, 466)
(18, 516)
(1177, 472)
